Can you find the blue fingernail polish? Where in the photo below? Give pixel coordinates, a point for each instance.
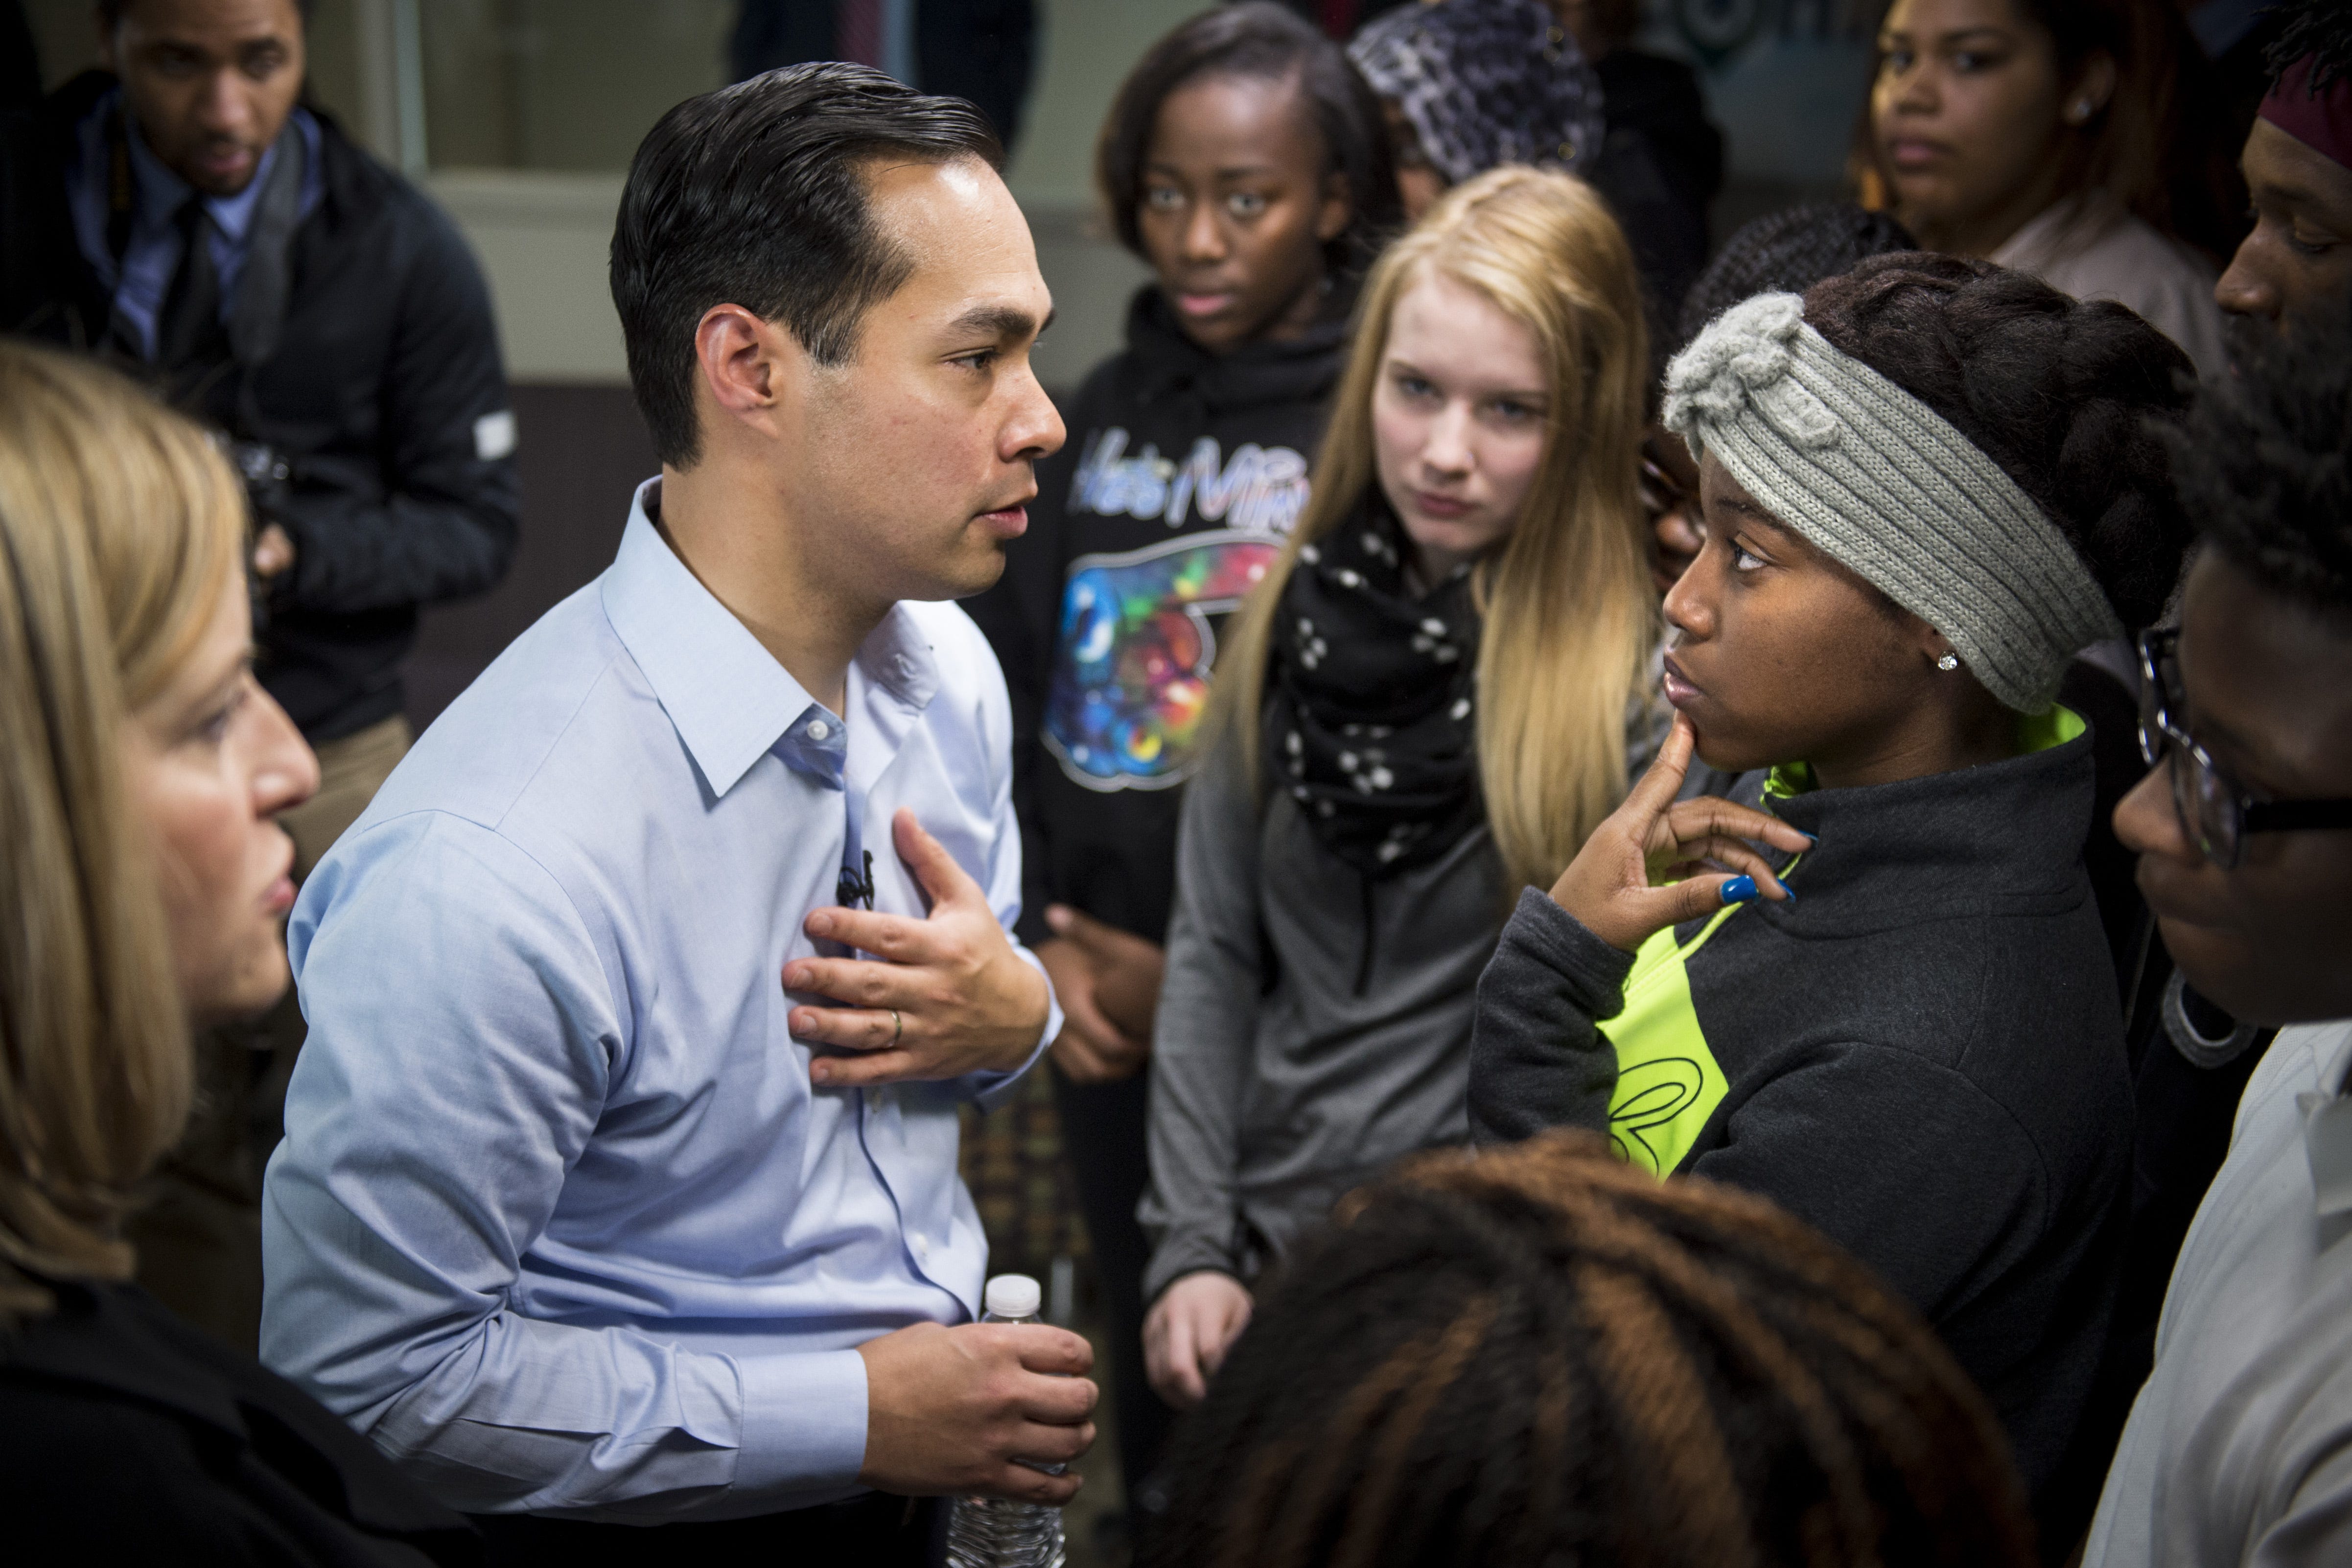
(1739, 891)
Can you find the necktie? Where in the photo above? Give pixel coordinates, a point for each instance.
(190, 312)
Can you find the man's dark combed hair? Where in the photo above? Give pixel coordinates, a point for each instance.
(2066, 396)
(2320, 29)
(1258, 40)
(2265, 464)
(756, 196)
(1544, 1356)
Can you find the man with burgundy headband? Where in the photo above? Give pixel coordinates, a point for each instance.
(2298, 166)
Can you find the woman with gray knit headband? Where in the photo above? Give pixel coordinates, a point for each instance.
(1872, 984)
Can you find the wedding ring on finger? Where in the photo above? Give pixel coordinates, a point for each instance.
(898, 1026)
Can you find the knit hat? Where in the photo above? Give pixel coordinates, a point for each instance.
(1792, 249)
(1879, 481)
(1486, 82)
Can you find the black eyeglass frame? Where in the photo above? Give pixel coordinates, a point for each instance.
(2214, 809)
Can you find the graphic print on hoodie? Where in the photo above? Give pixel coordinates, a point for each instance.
(1183, 478)
(1136, 646)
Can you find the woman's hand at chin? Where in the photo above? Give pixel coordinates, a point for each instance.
(1657, 861)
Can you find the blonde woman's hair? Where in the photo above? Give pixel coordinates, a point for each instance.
(120, 524)
(1569, 617)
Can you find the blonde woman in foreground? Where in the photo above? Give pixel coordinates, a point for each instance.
(1436, 693)
(139, 767)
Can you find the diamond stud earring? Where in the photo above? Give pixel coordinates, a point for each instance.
(1948, 663)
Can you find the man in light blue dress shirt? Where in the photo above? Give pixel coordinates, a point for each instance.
(617, 1188)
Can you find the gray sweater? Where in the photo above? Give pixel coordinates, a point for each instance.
(1276, 1085)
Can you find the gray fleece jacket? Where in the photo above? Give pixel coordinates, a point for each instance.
(1276, 1085)
(1313, 1025)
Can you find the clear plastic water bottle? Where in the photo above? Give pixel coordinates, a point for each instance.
(994, 1532)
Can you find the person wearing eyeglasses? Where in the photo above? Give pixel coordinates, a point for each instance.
(2240, 1446)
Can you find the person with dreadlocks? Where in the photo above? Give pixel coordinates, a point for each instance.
(1925, 485)
(2298, 166)
(1541, 1356)
(2240, 1446)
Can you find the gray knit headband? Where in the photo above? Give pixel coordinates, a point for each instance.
(1885, 484)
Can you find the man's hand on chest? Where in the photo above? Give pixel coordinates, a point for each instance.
(945, 996)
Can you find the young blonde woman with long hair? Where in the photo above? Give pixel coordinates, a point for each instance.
(1438, 690)
(140, 768)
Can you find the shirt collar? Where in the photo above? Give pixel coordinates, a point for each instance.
(728, 699)
(896, 656)
(726, 694)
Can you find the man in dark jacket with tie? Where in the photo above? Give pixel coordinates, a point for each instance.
(333, 325)
(183, 216)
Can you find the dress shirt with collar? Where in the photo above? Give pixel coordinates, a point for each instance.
(559, 1219)
(152, 256)
(2240, 1446)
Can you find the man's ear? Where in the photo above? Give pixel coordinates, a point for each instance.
(742, 364)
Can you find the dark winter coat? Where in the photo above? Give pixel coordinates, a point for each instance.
(383, 396)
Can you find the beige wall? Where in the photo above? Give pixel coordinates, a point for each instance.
(562, 84)
(1088, 47)
(542, 234)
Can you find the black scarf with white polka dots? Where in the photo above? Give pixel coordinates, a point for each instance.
(1370, 711)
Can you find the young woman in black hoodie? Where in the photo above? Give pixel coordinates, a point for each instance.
(1243, 160)
(1925, 485)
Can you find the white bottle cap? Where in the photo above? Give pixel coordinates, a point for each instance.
(1012, 1296)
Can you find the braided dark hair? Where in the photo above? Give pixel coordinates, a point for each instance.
(2321, 29)
(2265, 464)
(1544, 1356)
(2060, 392)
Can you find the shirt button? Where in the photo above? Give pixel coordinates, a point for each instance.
(922, 1244)
(818, 730)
